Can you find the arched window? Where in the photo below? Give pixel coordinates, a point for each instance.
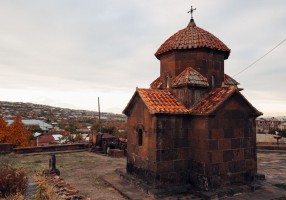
(140, 136)
(213, 81)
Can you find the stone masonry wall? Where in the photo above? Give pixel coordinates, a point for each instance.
(141, 159)
(173, 150)
(231, 147)
(205, 61)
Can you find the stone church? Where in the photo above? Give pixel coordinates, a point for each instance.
(192, 127)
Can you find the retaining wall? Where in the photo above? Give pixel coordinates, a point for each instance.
(52, 148)
(6, 148)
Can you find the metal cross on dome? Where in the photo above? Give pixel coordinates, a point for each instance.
(191, 11)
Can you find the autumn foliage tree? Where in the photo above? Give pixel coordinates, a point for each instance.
(3, 130)
(16, 133)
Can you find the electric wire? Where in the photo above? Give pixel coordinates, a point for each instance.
(260, 58)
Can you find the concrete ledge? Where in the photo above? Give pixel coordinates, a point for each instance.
(272, 147)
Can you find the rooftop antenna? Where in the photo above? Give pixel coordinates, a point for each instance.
(99, 114)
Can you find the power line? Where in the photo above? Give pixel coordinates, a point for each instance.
(260, 58)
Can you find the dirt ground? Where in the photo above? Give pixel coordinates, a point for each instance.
(273, 165)
(81, 170)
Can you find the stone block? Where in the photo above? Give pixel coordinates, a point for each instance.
(215, 181)
(173, 178)
(213, 144)
(247, 142)
(183, 153)
(224, 144)
(212, 169)
(223, 168)
(180, 142)
(249, 153)
(196, 167)
(247, 132)
(238, 133)
(227, 155)
(165, 167)
(237, 178)
(216, 156)
(236, 166)
(235, 143)
(167, 154)
(117, 153)
(217, 134)
(238, 154)
(229, 133)
(250, 164)
(180, 165)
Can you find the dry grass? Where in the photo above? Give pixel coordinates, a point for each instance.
(45, 190)
(17, 196)
(81, 170)
(12, 181)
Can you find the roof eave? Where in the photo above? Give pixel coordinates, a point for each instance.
(158, 55)
(126, 110)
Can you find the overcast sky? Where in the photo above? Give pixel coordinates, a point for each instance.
(69, 52)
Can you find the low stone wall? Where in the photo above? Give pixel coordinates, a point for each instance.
(6, 148)
(268, 139)
(117, 153)
(53, 148)
(281, 147)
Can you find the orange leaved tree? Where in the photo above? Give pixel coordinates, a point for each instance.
(3, 130)
(18, 134)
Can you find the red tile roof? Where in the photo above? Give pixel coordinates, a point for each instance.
(157, 84)
(192, 37)
(213, 99)
(46, 139)
(190, 77)
(161, 101)
(229, 81)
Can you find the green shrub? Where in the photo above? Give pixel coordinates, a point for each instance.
(12, 181)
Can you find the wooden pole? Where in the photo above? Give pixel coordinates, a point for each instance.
(99, 115)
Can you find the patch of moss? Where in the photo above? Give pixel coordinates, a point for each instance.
(281, 186)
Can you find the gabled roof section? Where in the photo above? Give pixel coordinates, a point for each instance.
(156, 84)
(216, 98)
(158, 101)
(212, 100)
(190, 77)
(161, 101)
(229, 81)
(192, 37)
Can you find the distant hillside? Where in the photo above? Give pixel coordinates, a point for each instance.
(9, 110)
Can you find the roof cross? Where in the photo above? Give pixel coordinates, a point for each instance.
(191, 11)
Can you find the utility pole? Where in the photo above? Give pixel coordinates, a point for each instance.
(99, 115)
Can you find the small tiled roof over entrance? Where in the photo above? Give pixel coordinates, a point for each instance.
(161, 101)
(192, 37)
(190, 77)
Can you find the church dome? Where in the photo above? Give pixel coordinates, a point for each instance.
(192, 37)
